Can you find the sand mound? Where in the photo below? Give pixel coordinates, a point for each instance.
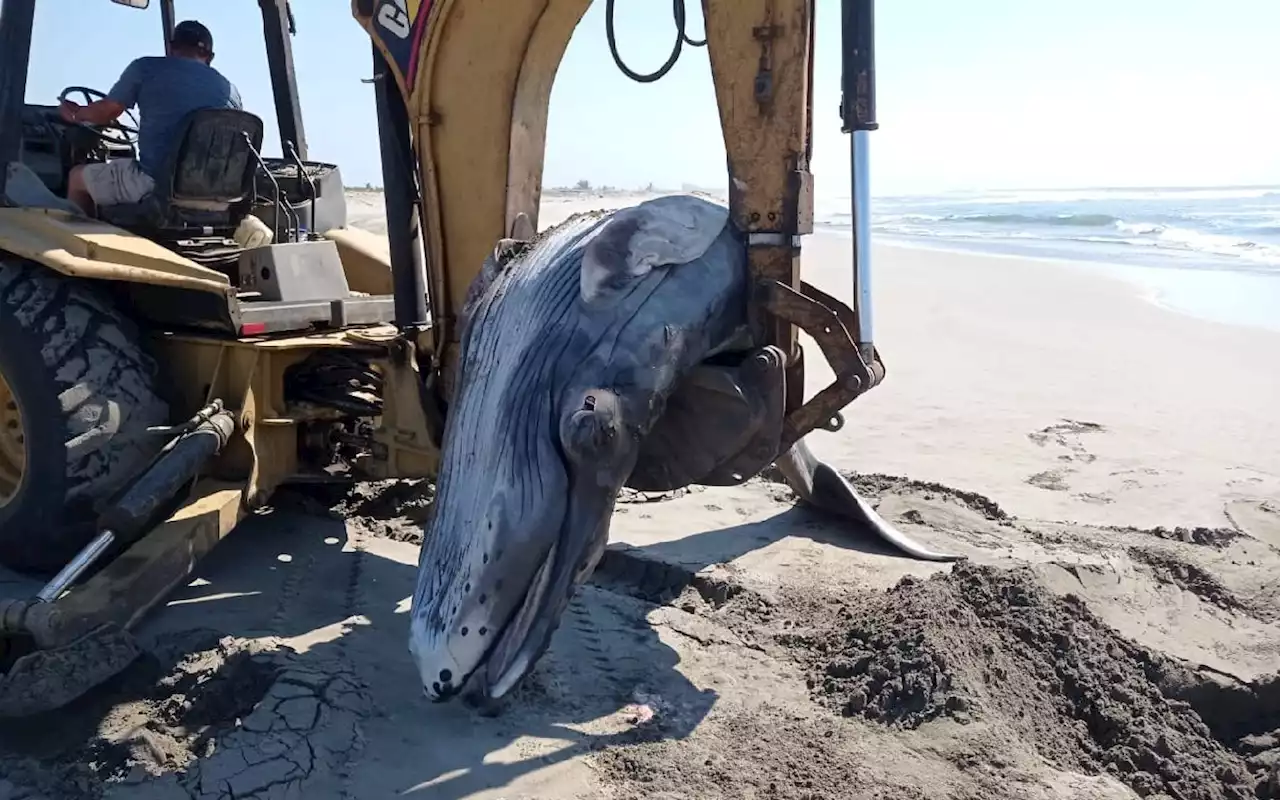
(1216, 538)
(763, 752)
(1168, 568)
(989, 643)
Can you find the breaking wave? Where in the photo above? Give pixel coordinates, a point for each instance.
(1070, 220)
(1232, 228)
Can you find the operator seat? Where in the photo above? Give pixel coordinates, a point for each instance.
(208, 182)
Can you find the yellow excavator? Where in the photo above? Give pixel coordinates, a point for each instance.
(158, 380)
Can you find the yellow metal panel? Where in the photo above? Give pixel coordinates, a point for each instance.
(760, 61)
(398, 29)
(480, 105)
(531, 104)
(86, 248)
(366, 259)
(759, 52)
(248, 376)
(131, 585)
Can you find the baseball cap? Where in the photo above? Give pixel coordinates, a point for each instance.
(193, 34)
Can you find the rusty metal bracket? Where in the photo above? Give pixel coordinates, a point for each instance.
(828, 321)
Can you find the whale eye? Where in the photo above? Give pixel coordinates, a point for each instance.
(593, 431)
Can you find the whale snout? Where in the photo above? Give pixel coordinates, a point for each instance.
(479, 628)
(489, 544)
(438, 672)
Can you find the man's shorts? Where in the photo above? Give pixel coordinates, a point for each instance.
(117, 182)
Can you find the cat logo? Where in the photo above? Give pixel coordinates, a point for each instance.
(393, 16)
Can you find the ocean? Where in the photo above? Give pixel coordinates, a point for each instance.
(1210, 252)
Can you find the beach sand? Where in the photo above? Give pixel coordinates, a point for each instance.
(1111, 470)
(1060, 391)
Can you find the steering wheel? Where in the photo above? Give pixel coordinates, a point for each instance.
(130, 132)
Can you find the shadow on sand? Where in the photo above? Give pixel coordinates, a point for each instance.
(337, 599)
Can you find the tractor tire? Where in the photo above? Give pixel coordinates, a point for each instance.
(76, 396)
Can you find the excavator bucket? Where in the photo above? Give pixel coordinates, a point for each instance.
(45, 679)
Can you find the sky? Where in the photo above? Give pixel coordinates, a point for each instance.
(981, 94)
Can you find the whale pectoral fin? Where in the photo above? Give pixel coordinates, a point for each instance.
(818, 484)
(659, 232)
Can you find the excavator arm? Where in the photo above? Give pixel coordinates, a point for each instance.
(465, 86)
(538, 444)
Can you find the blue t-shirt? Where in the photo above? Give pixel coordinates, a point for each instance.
(165, 89)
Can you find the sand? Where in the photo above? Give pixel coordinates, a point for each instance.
(1108, 468)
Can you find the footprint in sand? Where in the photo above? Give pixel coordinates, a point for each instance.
(1139, 471)
(1249, 481)
(1053, 480)
(1137, 478)
(1097, 499)
(1065, 435)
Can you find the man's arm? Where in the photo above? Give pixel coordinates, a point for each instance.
(99, 112)
(122, 96)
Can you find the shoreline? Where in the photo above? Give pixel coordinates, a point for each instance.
(1235, 297)
(1181, 290)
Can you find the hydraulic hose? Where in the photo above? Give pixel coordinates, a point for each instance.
(682, 38)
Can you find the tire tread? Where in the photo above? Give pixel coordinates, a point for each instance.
(104, 384)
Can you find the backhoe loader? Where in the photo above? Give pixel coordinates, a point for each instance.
(158, 381)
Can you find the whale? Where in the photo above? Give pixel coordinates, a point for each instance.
(611, 350)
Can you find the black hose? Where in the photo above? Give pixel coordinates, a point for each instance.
(682, 38)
